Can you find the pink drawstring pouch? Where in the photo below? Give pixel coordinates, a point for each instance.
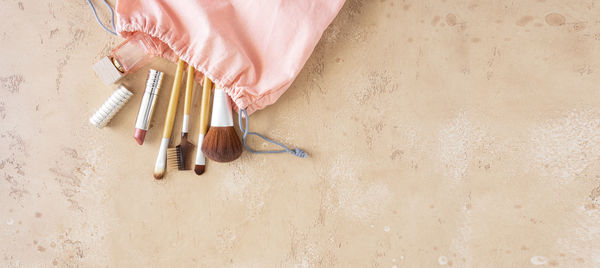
(252, 49)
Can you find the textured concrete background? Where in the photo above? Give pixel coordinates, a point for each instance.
(453, 133)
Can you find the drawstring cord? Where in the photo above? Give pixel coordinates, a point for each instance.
(297, 152)
(112, 17)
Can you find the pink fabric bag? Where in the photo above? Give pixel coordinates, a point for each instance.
(252, 49)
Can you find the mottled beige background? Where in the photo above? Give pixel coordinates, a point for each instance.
(441, 133)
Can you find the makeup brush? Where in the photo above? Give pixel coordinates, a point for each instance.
(200, 162)
(221, 143)
(184, 147)
(161, 159)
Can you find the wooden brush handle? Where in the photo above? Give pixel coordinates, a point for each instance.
(187, 108)
(206, 90)
(170, 119)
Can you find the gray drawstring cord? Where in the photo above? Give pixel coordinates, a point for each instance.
(297, 152)
(112, 17)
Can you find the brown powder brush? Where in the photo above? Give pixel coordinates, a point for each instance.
(221, 143)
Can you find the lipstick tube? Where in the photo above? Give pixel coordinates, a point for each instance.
(149, 99)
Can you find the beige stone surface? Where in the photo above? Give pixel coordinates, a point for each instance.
(441, 133)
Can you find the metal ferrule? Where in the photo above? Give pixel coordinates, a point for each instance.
(153, 84)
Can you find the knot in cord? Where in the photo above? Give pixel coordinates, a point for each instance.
(299, 153)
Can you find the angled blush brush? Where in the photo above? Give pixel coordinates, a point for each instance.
(221, 143)
(161, 159)
(200, 163)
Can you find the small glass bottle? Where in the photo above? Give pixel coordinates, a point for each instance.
(130, 55)
(126, 58)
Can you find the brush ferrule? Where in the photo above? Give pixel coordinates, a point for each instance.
(149, 99)
(161, 159)
(221, 114)
(200, 159)
(186, 123)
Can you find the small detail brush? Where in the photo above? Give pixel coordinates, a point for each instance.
(161, 159)
(221, 143)
(185, 146)
(200, 163)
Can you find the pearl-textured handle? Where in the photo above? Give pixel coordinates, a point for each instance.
(110, 107)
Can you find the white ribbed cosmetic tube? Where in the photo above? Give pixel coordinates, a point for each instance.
(110, 107)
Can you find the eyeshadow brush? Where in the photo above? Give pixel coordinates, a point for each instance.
(161, 159)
